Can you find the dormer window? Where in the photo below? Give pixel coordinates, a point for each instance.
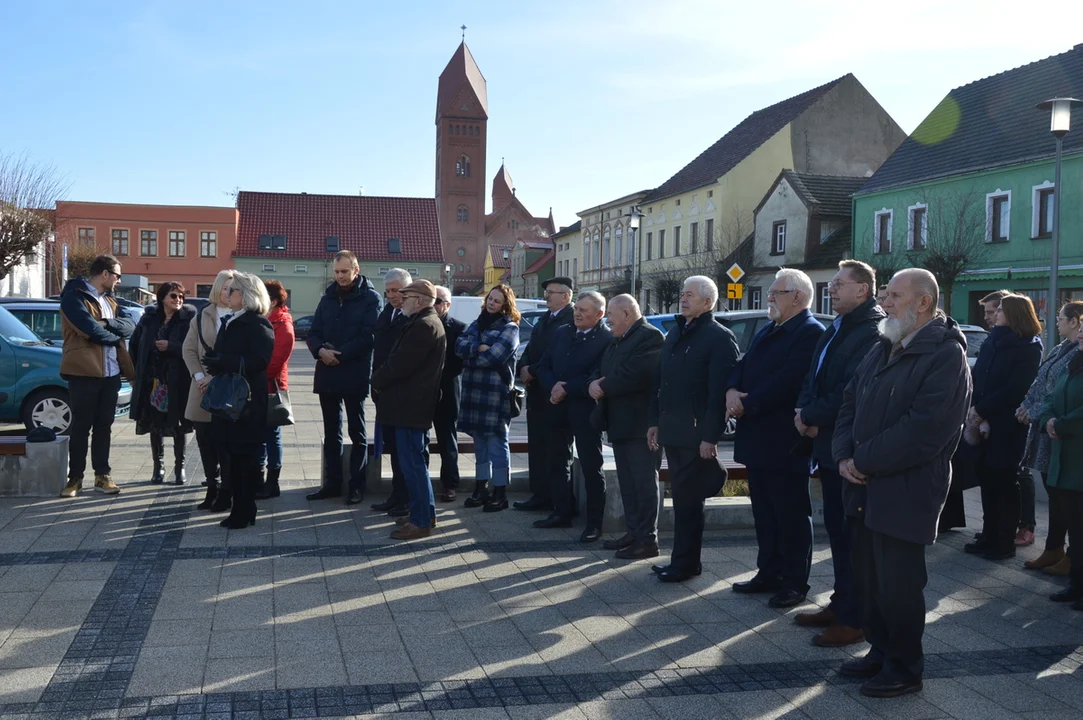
(331, 244)
(394, 246)
(272, 242)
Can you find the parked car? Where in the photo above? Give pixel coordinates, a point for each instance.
(527, 322)
(41, 316)
(135, 310)
(302, 326)
(975, 336)
(31, 389)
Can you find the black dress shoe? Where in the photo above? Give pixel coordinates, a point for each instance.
(590, 534)
(882, 686)
(385, 505)
(976, 548)
(534, 503)
(356, 497)
(620, 543)
(399, 511)
(862, 667)
(675, 575)
(998, 554)
(495, 504)
(1066, 595)
(659, 569)
(755, 586)
(638, 551)
(553, 521)
(324, 494)
(786, 599)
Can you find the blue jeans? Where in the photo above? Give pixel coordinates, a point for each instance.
(410, 447)
(271, 457)
(492, 458)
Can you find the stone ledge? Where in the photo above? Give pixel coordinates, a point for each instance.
(41, 472)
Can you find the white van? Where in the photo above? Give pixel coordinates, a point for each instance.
(467, 308)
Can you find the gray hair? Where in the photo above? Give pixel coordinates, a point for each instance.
(923, 282)
(220, 281)
(443, 293)
(705, 287)
(397, 274)
(799, 281)
(625, 300)
(254, 292)
(595, 297)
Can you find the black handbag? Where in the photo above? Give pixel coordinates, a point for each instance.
(227, 395)
(279, 410)
(516, 400)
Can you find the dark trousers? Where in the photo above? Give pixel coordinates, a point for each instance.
(93, 403)
(333, 407)
(588, 444)
(782, 511)
(637, 473)
(692, 480)
(890, 576)
(244, 476)
(1000, 506)
(445, 424)
(539, 451)
(208, 451)
(1071, 502)
(843, 602)
(1058, 518)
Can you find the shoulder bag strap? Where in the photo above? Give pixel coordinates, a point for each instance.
(199, 332)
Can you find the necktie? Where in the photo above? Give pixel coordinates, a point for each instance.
(225, 321)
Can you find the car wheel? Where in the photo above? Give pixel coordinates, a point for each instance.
(731, 430)
(48, 408)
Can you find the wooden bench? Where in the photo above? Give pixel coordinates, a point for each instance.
(466, 445)
(13, 445)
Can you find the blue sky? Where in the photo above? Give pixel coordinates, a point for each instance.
(181, 102)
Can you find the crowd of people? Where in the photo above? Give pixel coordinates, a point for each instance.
(881, 405)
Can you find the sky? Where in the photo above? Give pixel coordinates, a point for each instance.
(184, 102)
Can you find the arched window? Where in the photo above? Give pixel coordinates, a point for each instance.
(462, 166)
(596, 257)
(586, 252)
(605, 247)
(618, 246)
(463, 214)
(461, 266)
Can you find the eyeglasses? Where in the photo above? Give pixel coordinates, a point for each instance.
(556, 292)
(438, 301)
(773, 293)
(114, 273)
(835, 284)
(175, 296)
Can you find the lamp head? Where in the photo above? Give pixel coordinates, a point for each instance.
(1060, 110)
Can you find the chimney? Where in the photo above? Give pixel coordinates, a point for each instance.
(361, 191)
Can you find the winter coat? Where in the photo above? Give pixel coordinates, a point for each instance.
(572, 358)
(1065, 404)
(451, 381)
(688, 395)
(167, 367)
(85, 339)
(409, 382)
(385, 334)
(278, 372)
(1003, 373)
(485, 409)
(1039, 444)
(347, 325)
(900, 421)
(248, 337)
(772, 372)
(205, 323)
(540, 338)
(627, 371)
(821, 393)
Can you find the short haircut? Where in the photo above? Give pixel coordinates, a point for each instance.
(509, 302)
(862, 272)
(1073, 310)
(595, 297)
(167, 287)
(397, 275)
(995, 296)
(625, 300)
(797, 280)
(1019, 310)
(253, 292)
(347, 255)
(220, 281)
(443, 293)
(923, 282)
(103, 263)
(276, 292)
(705, 287)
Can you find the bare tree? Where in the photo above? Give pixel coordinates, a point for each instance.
(667, 282)
(26, 188)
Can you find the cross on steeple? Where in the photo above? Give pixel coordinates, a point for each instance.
(463, 28)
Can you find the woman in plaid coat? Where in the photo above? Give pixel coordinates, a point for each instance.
(487, 348)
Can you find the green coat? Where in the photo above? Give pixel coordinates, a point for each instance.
(1065, 404)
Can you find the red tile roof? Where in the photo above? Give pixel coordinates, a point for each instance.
(363, 225)
(496, 252)
(540, 262)
(461, 69)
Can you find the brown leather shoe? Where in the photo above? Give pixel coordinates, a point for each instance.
(822, 618)
(1048, 558)
(448, 495)
(839, 636)
(1060, 569)
(410, 532)
(400, 521)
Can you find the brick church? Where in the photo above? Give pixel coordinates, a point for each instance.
(466, 231)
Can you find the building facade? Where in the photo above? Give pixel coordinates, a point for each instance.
(606, 247)
(566, 257)
(497, 267)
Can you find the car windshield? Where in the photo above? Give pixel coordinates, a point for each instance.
(15, 332)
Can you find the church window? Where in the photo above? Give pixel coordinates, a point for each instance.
(463, 214)
(461, 251)
(461, 267)
(468, 268)
(462, 166)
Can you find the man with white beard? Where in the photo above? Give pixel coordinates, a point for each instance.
(901, 419)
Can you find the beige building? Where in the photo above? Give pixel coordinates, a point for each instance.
(568, 248)
(607, 248)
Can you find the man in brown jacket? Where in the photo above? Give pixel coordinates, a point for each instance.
(409, 387)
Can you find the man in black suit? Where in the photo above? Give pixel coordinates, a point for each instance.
(564, 374)
(447, 410)
(558, 298)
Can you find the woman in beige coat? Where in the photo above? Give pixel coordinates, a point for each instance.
(215, 461)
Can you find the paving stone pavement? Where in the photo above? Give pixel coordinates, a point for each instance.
(139, 605)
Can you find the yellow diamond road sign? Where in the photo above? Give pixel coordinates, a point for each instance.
(735, 272)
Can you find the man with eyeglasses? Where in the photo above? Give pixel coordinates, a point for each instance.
(762, 392)
(95, 356)
(834, 362)
(558, 298)
(446, 420)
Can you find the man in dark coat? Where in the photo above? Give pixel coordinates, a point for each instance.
(409, 387)
(762, 392)
(558, 299)
(447, 411)
(834, 362)
(388, 326)
(564, 374)
(341, 341)
(900, 421)
(687, 417)
(622, 387)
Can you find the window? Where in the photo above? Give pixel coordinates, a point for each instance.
(575, 267)
(462, 166)
(710, 193)
(596, 251)
(677, 241)
(882, 221)
(824, 299)
(693, 230)
(605, 248)
(176, 243)
(462, 214)
(618, 246)
(778, 238)
(646, 301)
(86, 236)
(120, 242)
(272, 242)
(148, 242)
(586, 253)
(1044, 203)
(709, 239)
(394, 246)
(208, 244)
(755, 298)
(650, 245)
(917, 228)
(998, 211)
(203, 291)
(300, 268)
(661, 244)
(331, 244)
(268, 267)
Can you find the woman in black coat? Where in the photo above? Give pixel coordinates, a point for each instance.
(1004, 371)
(160, 388)
(244, 345)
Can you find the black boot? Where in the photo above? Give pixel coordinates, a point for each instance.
(270, 489)
(498, 501)
(179, 442)
(212, 493)
(480, 496)
(261, 484)
(223, 500)
(157, 452)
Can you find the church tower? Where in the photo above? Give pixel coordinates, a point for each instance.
(461, 118)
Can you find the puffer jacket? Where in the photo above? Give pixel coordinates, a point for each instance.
(278, 372)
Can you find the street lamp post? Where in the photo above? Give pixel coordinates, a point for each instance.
(633, 226)
(1060, 123)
